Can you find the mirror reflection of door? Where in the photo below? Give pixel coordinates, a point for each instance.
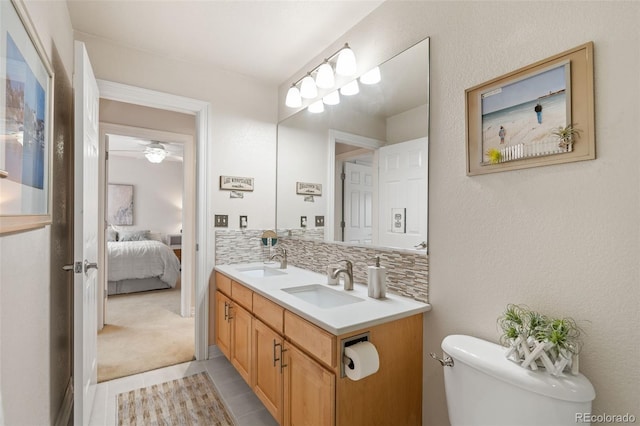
(357, 208)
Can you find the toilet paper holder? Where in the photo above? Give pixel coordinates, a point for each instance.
(363, 337)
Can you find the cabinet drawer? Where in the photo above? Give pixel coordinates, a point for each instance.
(311, 338)
(270, 313)
(242, 295)
(223, 283)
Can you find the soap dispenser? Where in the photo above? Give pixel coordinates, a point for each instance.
(377, 280)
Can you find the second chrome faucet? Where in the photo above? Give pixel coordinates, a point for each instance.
(347, 272)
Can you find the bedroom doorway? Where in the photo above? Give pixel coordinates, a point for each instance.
(150, 234)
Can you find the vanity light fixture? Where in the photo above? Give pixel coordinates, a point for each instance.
(307, 87)
(332, 98)
(316, 107)
(371, 77)
(350, 89)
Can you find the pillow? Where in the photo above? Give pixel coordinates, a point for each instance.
(112, 234)
(157, 236)
(133, 235)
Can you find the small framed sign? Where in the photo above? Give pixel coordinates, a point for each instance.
(304, 188)
(235, 183)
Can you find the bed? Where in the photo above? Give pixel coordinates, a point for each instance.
(138, 263)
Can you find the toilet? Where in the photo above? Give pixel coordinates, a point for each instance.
(483, 387)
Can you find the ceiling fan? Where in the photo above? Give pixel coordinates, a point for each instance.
(154, 151)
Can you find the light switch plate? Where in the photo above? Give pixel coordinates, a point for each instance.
(221, 221)
(319, 220)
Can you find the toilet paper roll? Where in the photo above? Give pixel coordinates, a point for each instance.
(364, 357)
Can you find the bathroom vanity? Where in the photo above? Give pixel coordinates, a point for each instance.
(285, 330)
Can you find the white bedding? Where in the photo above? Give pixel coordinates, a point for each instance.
(142, 259)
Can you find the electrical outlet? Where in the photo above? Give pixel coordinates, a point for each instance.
(303, 221)
(244, 221)
(319, 220)
(221, 221)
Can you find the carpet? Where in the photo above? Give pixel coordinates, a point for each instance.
(191, 400)
(143, 332)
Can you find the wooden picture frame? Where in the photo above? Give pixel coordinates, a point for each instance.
(26, 123)
(236, 183)
(517, 114)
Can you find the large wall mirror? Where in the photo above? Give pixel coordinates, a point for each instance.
(357, 172)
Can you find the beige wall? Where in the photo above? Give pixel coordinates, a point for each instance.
(562, 239)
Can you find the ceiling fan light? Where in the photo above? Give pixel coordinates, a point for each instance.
(308, 89)
(346, 64)
(332, 98)
(350, 89)
(316, 107)
(325, 78)
(371, 77)
(293, 99)
(155, 155)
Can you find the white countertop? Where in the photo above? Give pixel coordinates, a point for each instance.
(337, 320)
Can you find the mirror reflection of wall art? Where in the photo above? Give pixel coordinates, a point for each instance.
(120, 204)
(538, 115)
(304, 188)
(235, 183)
(25, 123)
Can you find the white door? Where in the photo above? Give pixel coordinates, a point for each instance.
(85, 236)
(403, 189)
(358, 203)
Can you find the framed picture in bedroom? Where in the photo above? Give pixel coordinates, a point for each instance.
(120, 204)
(538, 115)
(26, 123)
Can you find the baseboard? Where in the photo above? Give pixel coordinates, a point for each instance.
(66, 409)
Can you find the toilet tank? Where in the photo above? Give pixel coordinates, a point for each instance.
(483, 387)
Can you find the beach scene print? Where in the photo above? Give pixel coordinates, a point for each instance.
(518, 119)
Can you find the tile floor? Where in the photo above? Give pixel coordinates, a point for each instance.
(243, 405)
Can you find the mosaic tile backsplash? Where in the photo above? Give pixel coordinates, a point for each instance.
(407, 272)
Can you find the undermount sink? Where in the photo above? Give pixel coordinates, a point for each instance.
(261, 271)
(322, 296)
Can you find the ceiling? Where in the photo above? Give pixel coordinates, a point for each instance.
(268, 40)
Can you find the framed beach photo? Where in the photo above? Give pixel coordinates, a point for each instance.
(26, 103)
(538, 115)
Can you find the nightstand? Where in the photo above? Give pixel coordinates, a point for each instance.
(178, 252)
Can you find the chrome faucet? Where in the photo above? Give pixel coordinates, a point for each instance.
(348, 274)
(282, 257)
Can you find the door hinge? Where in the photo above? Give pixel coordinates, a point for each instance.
(343, 176)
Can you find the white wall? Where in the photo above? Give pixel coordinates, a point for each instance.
(157, 192)
(242, 121)
(562, 239)
(25, 285)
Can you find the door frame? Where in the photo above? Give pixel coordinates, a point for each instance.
(338, 136)
(188, 203)
(203, 247)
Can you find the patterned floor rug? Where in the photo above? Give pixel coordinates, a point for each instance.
(191, 400)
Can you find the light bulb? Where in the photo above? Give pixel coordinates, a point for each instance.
(371, 77)
(350, 88)
(346, 64)
(316, 107)
(155, 155)
(332, 98)
(293, 98)
(325, 78)
(308, 89)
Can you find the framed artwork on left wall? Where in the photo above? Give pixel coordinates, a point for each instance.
(120, 204)
(26, 123)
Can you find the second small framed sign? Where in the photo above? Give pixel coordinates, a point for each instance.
(304, 188)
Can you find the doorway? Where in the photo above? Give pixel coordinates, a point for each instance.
(201, 223)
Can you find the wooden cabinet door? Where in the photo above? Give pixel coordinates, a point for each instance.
(309, 391)
(267, 371)
(241, 331)
(223, 327)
